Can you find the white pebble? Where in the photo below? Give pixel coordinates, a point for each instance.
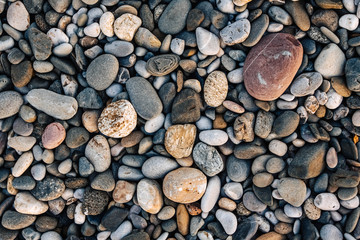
(349, 22)
(155, 124)
(177, 46)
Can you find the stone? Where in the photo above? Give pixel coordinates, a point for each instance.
(17, 16)
(149, 196)
(292, 190)
(258, 28)
(309, 161)
(104, 67)
(126, 26)
(55, 105)
(215, 88)
(21, 143)
(281, 50)
(59, 6)
(173, 18)
(263, 179)
(208, 159)
(306, 84)
(179, 140)
(299, 14)
(329, 231)
(49, 188)
(349, 21)
(162, 65)
(280, 15)
(263, 124)
(352, 74)
(271, 236)
(21, 73)
(213, 137)
(182, 219)
(10, 103)
(97, 151)
(144, 98)
(94, 202)
(184, 185)
(167, 212)
(246, 229)
(186, 107)
(157, 167)
(137, 235)
(330, 62)
(286, 123)
(327, 202)
(40, 44)
(334, 99)
(106, 24)
(236, 33)
(6, 43)
(233, 190)
(252, 203)
(208, 201)
(207, 42)
(249, 150)
(194, 19)
(22, 164)
(145, 38)
(327, 18)
(53, 135)
(237, 169)
(25, 203)
(13, 220)
(124, 191)
(228, 220)
(118, 119)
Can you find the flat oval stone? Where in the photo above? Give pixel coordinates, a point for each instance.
(15, 221)
(161, 65)
(208, 159)
(118, 119)
(158, 166)
(49, 188)
(306, 84)
(22, 73)
(10, 103)
(26, 203)
(53, 104)
(236, 32)
(215, 88)
(214, 137)
(53, 135)
(40, 43)
(173, 19)
(98, 153)
(327, 202)
(144, 97)
(17, 16)
(149, 196)
(179, 140)
(271, 66)
(292, 190)
(184, 185)
(102, 71)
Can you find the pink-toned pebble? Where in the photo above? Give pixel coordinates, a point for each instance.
(233, 106)
(53, 135)
(331, 158)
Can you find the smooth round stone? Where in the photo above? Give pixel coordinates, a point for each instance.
(10, 103)
(179, 140)
(311, 211)
(334, 99)
(157, 167)
(214, 137)
(208, 201)
(351, 203)
(208, 159)
(13, 220)
(42, 66)
(278, 148)
(21, 143)
(49, 188)
(228, 220)
(144, 97)
(355, 119)
(106, 24)
(207, 42)
(327, 202)
(53, 104)
(351, 71)
(184, 185)
(275, 165)
(57, 36)
(53, 135)
(331, 158)
(215, 88)
(233, 190)
(6, 43)
(104, 67)
(177, 46)
(226, 6)
(292, 190)
(21, 73)
(258, 28)
(306, 84)
(292, 212)
(173, 18)
(63, 49)
(162, 65)
(149, 196)
(24, 183)
(237, 169)
(329, 231)
(118, 119)
(22, 164)
(94, 202)
(349, 22)
(38, 172)
(92, 30)
(126, 26)
(123, 191)
(236, 76)
(280, 15)
(97, 151)
(119, 48)
(76, 137)
(17, 16)
(25, 203)
(236, 32)
(166, 213)
(262, 80)
(155, 124)
(263, 179)
(252, 203)
(330, 62)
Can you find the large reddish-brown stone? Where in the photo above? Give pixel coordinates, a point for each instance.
(271, 66)
(53, 135)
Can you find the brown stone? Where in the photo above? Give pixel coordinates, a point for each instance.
(21, 73)
(311, 211)
(329, 4)
(149, 196)
(292, 190)
(339, 85)
(184, 185)
(283, 228)
(124, 191)
(194, 19)
(53, 135)
(271, 66)
(327, 18)
(182, 219)
(227, 204)
(118, 119)
(219, 122)
(132, 139)
(194, 209)
(244, 127)
(179, 140)
(271, 236)
(162, 64)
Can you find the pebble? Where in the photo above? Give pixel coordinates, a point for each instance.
(53, 135)
(211, 194)
(118, 119)
(252, 203)
(17, 16)
(337, 63)
(157, 167)
(329, 231)
(208, 159)
(179, 140)
(215, 88)
(258, 82)
(228, 220)
(173, 18)
(306, 84)
(233, 190)
(106, 24)
(293, 191)
(97, 151)
(236, 32)
(13, 220)
(349, 22)
(207, 42)
(184, 185)
(327, 202)
(278, 148)
(10, 103)
(126, 26)
(22, 164)
(119, 48)
(213, 137)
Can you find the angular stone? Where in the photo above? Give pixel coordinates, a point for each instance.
(208, 159)
(186, 107)
(40, 44)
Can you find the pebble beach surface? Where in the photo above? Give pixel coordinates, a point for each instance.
(179, 119)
